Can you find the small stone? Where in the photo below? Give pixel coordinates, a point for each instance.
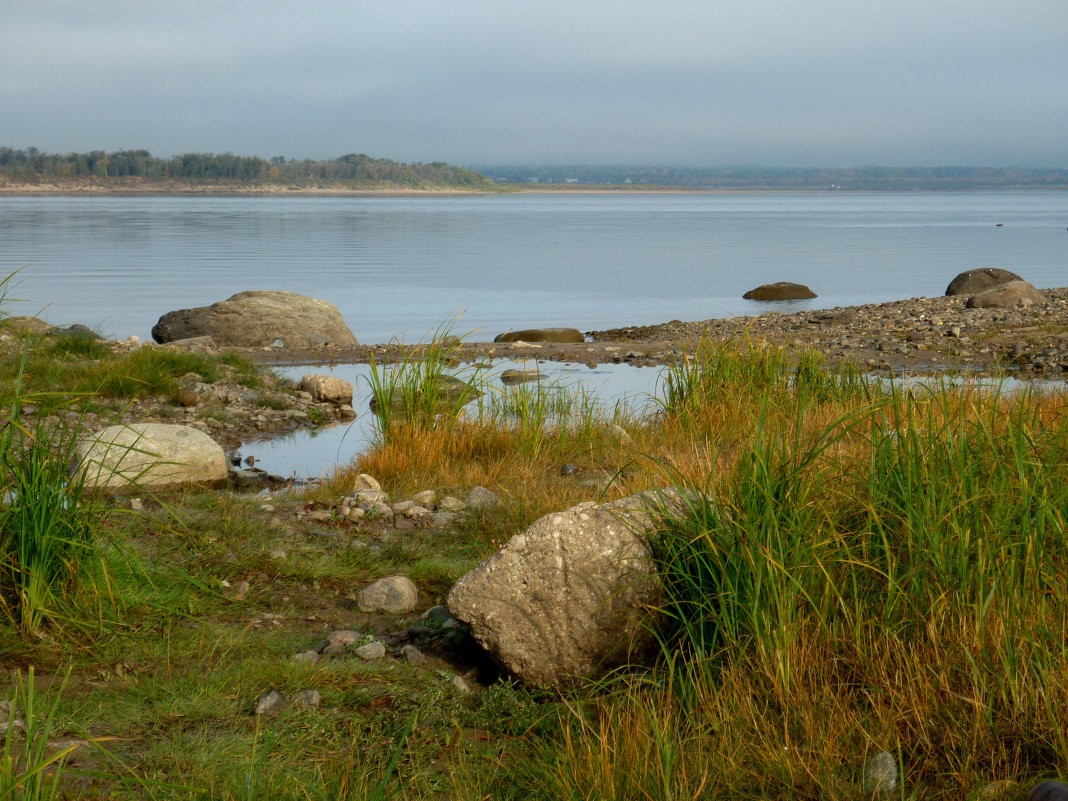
(367, 498)
(424, 499)
(306, 657)
(396, 594)
(271, 703)
(277, 553)
(569, 469)
(451, 504)
(460, 683)
(416, 512)
(338, 641)
(188, 398)
(307, 699)
(413, 656)
(482, 498)
(238, 591)
(441, 519)
(346, 412)
(366, 482)
(880, 774)
(137, 505)
(620, 435)
(438, 616)
(371, 651)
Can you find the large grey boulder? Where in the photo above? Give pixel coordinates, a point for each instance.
(152, 456)
(567, 599)
(566, 335)
(780, 290)
(1007, 295)
(972, 282)
(259, 319)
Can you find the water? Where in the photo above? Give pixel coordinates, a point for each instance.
(399, 266)
(304, 454)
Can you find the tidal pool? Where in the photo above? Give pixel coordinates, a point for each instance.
(312, 454)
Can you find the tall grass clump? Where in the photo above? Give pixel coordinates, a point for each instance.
(748, 371)
(904, 566)
(418, 391)
(46, 522)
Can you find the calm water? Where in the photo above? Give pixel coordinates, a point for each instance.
(398, 267)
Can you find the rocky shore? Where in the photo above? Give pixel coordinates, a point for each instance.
(916, 335)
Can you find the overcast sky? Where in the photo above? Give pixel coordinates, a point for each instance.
(696, 83)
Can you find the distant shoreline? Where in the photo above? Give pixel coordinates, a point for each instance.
(140, 188)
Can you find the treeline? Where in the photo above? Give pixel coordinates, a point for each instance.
(845, 178)
(31, 165)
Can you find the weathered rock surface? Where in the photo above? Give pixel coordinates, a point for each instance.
(1007, 295)
(566, 599)
(327, 388)
(972, 282)
(780, 290)
(259, 319)
(396, 594)
(153, 456)
(541, 335)
(21, 324)
(879, 776)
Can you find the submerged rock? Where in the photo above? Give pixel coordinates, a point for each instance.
(781, 290)
(566, 335)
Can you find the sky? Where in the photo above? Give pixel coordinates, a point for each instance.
(705, 83)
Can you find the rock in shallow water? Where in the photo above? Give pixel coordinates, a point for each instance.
(257, 319)
(781, 290)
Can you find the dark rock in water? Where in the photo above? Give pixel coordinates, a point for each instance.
(1007, 295)
(512, 377)
(781, 290)
(257, 319)
(566, 335)
(971, 282)
(448, 390)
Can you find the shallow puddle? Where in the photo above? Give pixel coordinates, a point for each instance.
(316, 453)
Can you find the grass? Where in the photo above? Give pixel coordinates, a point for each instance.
(861, 568)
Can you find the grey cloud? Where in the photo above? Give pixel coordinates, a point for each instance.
(759, 81)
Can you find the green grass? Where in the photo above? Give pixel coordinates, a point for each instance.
(859, 569)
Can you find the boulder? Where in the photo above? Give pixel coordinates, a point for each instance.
(567, 335)
(567, 599)
(259, 319)
(1003, 296)
(972, 282)
(781, 290)
(327, 389)
(153, 456)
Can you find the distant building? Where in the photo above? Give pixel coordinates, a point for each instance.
(572, 180)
